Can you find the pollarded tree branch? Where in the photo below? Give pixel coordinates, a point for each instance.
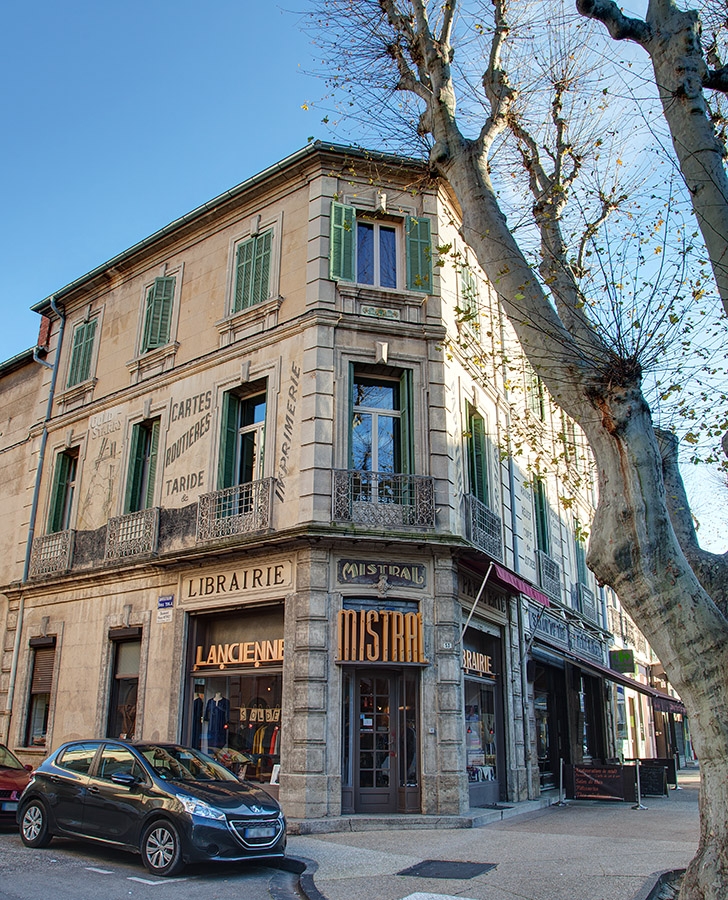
(717, 80)
(620, 27)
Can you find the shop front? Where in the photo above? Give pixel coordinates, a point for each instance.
(484, 732)
(235, 689)
(380, 654)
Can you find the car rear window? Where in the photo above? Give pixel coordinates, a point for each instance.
(78, 757)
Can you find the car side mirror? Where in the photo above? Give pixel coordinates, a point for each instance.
(125, 778)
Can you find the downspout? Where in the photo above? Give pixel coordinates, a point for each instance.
(34, 505)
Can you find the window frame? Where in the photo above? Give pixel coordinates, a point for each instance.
(82, 359)
(413, 246)
(233, 433)
(116, 679)
(541, 516)
(402, 379)
(478, 451)
(45, 678)
(158, 310)
(141, 478)
(258, 225)
(62, 502)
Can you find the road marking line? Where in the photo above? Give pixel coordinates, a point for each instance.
(157, 883)
(100, 871)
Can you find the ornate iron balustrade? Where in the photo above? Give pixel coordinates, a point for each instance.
(587, 602)
(381, 499)
(549, 574)
(51, 554)
(241, 509)
(484, 527)
(132, 534)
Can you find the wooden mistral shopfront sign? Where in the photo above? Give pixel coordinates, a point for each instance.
(381, 636)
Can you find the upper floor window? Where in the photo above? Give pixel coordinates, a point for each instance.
(79, 369)
(242, 440)
(368, 251)
(252, 270)
(142, 466)
(158, 314)
(64, 489)
(469, 301)
(535, 392)
(478, 456)
(541, 509)
(381, 427)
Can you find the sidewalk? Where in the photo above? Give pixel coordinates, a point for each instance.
(587, 850)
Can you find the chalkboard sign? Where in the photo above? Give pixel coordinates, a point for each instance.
(653, 780)
(600, 782)
(666, 762)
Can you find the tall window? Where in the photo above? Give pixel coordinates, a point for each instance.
(380, 424)
(469, 305)
(79, 369)
(541, 509)
(158, 314)
(478, 456)
(535, 393)
(142, 466)
(64, 489)
(39, 702)
(580, 552)
(242, 439)
(252, 271)
(124, 684)
(366, 250)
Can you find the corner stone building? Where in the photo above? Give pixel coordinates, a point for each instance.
(260, 498)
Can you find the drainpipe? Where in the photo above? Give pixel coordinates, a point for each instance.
(34, 505)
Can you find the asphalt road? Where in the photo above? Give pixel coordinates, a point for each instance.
(75, 870)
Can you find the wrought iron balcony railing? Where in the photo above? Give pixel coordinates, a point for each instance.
(484, 527)
(383, 499)
(549, 574)
(51, 554)
(242, 509)
(587, 602)
(132, 534)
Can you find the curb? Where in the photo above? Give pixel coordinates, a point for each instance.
(305, 869)
(650, 890)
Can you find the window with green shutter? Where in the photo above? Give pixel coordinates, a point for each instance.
(252, 271)
(419, 254)
(541, 509)
(343, 248)
(242, 439)
(381, 422)
(64, 488)
(158, 314)
(142, 466)
(79, 369)
(478, 456)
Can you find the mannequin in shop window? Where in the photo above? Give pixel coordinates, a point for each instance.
(217, 716)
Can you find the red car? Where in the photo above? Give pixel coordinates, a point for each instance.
(13, 778)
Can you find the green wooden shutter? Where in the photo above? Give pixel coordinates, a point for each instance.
(64, 467)
(479, 458)
(158, 314)
(252, 271)
(343, 245)
(227, 476)
(406, 424)
(243, 274)
(419, 254)
(263, 246)
(136, 468)
(152, 463)
(83, 343)
(542, 522)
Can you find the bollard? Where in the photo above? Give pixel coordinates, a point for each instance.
(561, 801)
(638, 805)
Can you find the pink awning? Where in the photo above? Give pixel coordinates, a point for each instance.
(518, 584)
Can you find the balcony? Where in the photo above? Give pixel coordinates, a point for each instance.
(51, 554)
(242, 509)
(549, 575)
(587, 602)
(132, 535)
(483, 527)
(383, 499)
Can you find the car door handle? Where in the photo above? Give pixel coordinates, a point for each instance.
(93, 789)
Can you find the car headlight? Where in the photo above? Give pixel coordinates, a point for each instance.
(199, 808)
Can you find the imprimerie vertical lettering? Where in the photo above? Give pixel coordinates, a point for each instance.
(291, 402)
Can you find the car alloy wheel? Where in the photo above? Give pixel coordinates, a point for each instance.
(34, 825)
(161, 850)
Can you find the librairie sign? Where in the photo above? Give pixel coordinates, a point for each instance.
(380, 636)
(274, 576)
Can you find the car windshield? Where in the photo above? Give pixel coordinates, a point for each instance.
(7, 760)
(175, 763)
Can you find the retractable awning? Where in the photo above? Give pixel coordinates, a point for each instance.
(510, 579)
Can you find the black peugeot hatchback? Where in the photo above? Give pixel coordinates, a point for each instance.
(170, 803)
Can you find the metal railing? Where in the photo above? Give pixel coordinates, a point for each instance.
(242, 509)
(51, 554)
(484, 527)
(549, 575)
(132, 534)
(383, 499)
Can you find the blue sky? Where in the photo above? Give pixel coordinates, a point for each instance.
(118, 118)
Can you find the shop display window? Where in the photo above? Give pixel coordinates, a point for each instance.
(480, 731)
(236, 719)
